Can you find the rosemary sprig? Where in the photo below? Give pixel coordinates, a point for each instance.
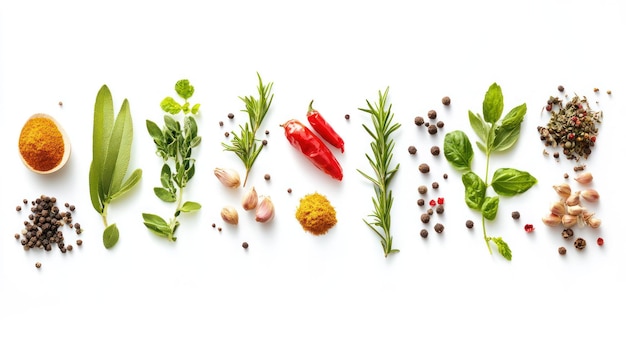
(245, 145)
(382, 150)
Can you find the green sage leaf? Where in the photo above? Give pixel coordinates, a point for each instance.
(154, 130)
(157, 225)
(95, 189)
(166, 176)
(172, 125)
(475, 190)
(458, 150)
(170, 105)
(493, 104)
(509, 181)
(489, 207)
(130, 183)
(190, 206)
(184, 89)
(503, 248)
(118, 152)
(507, 134)
(110, 236)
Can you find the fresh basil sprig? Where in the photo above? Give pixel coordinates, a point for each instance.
(174, 144)
(495, 134)
(112, 141)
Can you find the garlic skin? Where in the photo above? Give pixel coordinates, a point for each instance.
(229, 177)
(563, 190)
(594, 222)
(229, 215)
(265, 210)
(250, 200)
(590, 195)
(569, 221)
(573, 199)
(551, 220)
(558, 208)
(584, 178)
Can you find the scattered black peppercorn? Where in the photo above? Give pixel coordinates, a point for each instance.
(18, 208)
(445, 176)
(432, 114)
(231, 116)
(439, 228)
(425, 218)
(79, 242)
(266, 177)
(421, 202)
(267, 132)
(429, 212)
(221, 123)
(580, 243)
(562, 250)
(561, 88)
(38, 264)
(227, 134)
(515, 214)
(440, 124)
(567, 233)
(565, 175)
(289, 190)
(412, 150)
(424, 168)
(424, 233)
(445, 100)
(432, 129)
(419, 121)
(264, 142)
(244, 244)
(439, 209)
(347, 116)
(435, 151)
(435, 185)
(469, 224)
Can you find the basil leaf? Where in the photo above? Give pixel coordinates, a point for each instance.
(493, 104)
(507, 134)
(170, 105)
(489, 208)
(190, 206)
(509, 181)
(110, 236)
(479, 126)
(184, 89)
(503, 248)
(458, 150)
(475, 190)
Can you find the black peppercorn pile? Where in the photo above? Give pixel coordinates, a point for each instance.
(43, 229)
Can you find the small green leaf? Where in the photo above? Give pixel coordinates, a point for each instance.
(157, 225)
(507, 134)
(509, 181)
(458, 150)
(475, 190)
(170, 105)
(185, 107)
(130, 182)
(154, 130)
(166, 176)
(184, 89)
(110, 236)
(489, 208)
(164, 194)
(503, 248)
(172, 124)
(195, 109)
(479, 126)
(493, 105)
(190, 206)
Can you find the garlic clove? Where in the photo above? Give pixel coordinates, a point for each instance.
(250, 199)
(573, 199)
(229, 215)
(228, 177)
(558, 208)
(584, 178)
(594, 222)
(563, 190)
(590, 195)
(265, 210)
(569, 221)
(575, 210)
(551, 220)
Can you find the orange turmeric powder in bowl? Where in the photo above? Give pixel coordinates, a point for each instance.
(44, 147)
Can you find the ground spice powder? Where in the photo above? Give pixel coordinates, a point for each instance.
(316, 214)
(41, 144)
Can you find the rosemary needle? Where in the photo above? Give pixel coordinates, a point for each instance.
(380, 161)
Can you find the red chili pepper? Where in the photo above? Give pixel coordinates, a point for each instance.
(323, 128)
(303, 139)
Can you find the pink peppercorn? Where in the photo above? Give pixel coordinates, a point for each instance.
(440, 201)
(529, 228)
(432, 203)
(600, 241)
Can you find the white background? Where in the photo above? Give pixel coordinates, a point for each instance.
(291, 290)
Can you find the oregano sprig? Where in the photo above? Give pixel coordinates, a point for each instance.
(495, 134)
(112, 141)
(380, 160)
(245, 144)
(174, 144)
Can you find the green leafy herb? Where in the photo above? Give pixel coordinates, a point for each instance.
(112, 141)
(245, 145)
(380, 161)
(495, 134)
(174, 144)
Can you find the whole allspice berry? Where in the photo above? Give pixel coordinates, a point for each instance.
(515, 215)
(432, 129)
(435, 150)
(424, 233)
(469, 224)
(445, 100)
(419, 121)
(424, 168)
(412, 150)
(425, 218)
(439, 228)
(432, 114)
(422, 189)
(562, 250)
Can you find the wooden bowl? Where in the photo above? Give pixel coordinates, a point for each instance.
(66, 146)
